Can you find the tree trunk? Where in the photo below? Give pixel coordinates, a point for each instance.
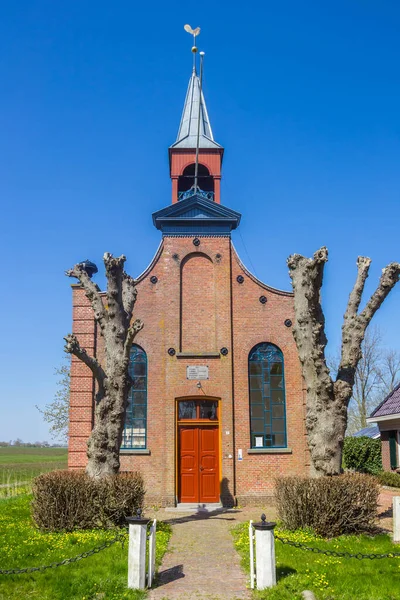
(113, 379)
(327, 401)
(106, 437)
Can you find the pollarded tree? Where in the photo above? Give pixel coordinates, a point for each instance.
(328, 398)
(113, 381)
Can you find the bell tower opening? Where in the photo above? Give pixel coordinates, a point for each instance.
(205, 181)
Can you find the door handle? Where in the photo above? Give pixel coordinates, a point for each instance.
(201, 468)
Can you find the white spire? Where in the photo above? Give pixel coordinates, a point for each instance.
(187, 134)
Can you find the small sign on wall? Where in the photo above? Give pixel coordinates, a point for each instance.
(197, 372)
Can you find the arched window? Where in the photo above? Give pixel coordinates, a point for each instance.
(267, 397)
(134, 435)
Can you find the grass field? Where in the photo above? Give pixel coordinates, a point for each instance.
(19, 465)
(102, 576)
(329, 578)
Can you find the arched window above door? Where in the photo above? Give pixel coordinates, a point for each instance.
(267, 397)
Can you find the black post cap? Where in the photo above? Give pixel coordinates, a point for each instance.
(138, 519)
(264, 525)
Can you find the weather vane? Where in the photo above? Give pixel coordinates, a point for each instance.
(195, 33)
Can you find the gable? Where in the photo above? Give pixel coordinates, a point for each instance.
(196, 215)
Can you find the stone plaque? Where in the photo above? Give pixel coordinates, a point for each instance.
(197, 372)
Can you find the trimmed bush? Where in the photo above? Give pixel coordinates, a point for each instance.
(331, 506)
(362, 454)
(389, 478)
(67, 500)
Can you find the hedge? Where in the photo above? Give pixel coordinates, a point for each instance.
(67, 500)
(362, 454)
(331, 506)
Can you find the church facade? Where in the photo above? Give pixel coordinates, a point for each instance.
(217, 407)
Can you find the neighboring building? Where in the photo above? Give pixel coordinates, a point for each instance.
(217, 407)
(387, 417)
(371, 432)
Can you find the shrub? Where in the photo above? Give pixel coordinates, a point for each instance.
(389, 478)
(331, 506)
(362, 454)
(67, 500)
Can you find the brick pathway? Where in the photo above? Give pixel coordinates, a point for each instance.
(201, 563)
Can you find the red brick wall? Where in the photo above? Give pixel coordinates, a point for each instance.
(198, 304)
(211, 282)
(253, 323)
(81, 396)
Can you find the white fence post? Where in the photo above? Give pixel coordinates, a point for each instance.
(251, 543)
(396, 519)
(265, 554)
(152, 553)
(137, 552)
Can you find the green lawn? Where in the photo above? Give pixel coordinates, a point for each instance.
(328, 577)
(99, 577)
(20, 464)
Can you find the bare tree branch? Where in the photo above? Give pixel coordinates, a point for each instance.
(389, 373)
(363, 264)
(132, 332)
(72, 346)
(353, 330)
(309, 329)
(114, 272)
(390, 276)
(129, 294)
(355, 325)
(91, 292)
(56, 413)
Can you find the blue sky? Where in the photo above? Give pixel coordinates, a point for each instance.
(304, 96)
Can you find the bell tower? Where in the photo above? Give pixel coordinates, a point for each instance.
(195, 140)
(195, 161)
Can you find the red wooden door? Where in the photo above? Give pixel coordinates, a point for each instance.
(198, 464)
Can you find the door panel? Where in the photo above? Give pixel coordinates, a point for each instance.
(189, 469)
(198, 464)
(208, 459)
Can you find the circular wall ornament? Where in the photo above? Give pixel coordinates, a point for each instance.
(171, 351)
(288, 323)
(263, 299)
(153, 279)
(196, 242)
(224, 351)
(240, 279)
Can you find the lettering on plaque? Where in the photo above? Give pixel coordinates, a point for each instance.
(197, 372)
